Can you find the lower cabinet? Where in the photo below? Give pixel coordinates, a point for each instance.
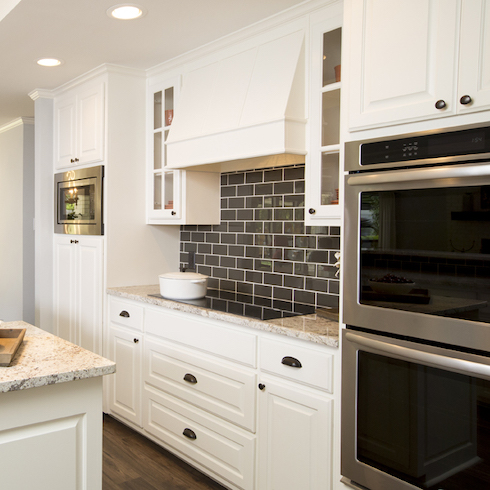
(295, 443)
(77, 305)
(229, 400)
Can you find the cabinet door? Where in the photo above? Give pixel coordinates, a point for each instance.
(65, 284)
(77, 305)
(89, 293)
(322, 173)
(474, 72)
(90, 108)
(65, 124)
(403, 60)
(165, 201)
(295, 438)
(125, 348)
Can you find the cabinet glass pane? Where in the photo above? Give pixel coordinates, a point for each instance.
(331, 118)
(157, 150)
(331, 56)
(157, 110)
(157, 191)
(165, 149)
(330, 178)
(169, 106)
(169, 189)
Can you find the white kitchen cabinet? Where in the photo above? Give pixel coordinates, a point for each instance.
(417, 60)
(175, 196)
(322, 169)
(124, 348)
(295, 443)
(295, 422)
(230, 400)
(79, 126)
(77, 295)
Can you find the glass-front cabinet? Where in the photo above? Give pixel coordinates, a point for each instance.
(175, 197)
(165, 184)
(323, 182)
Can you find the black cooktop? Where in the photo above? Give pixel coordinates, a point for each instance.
(247, 305)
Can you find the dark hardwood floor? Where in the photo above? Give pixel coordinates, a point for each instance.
(132, 462)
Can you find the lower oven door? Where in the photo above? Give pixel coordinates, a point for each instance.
(414, 415)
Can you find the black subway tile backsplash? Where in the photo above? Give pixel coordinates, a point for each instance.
(262, 247)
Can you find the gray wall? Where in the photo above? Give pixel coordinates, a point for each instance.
(16, 221)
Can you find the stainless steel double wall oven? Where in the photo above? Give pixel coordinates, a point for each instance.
(416, 350)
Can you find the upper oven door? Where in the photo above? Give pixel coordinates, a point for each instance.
(429, 230)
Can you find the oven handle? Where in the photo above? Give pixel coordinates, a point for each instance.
(427, 358)
(420, 174)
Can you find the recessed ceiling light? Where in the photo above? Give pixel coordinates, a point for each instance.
(49, 62)
(126, 11)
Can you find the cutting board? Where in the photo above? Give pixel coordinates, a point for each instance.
(10, 341)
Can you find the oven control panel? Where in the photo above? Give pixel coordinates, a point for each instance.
(468, 142)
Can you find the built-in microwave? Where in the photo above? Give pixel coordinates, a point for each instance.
(78, 201)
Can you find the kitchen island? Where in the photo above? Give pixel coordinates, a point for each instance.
(51, 414)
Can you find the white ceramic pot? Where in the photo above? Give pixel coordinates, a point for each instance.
(183, 285)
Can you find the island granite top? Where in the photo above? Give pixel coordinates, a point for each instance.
(316, 328)
(44, 359)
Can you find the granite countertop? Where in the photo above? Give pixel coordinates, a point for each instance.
(320, 328)
(44, 359)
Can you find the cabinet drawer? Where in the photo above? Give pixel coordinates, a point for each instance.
(126, 313)
(203, 334)
(218, 448)
(280, 358)
(220, 388)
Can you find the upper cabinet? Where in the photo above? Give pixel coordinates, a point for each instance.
(79, 126)
(417, 60)
(175, 196)
(322, 175)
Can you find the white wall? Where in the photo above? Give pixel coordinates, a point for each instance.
(136, 252)
(16, 221)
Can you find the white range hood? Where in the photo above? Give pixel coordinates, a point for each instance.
(246, 110)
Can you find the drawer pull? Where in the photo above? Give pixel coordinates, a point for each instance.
(291, 361)
(124, 313)
(189, 433)
(190, 378)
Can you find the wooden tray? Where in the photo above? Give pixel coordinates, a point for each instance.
(10, 340)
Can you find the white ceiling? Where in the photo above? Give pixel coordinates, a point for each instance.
(81, 34)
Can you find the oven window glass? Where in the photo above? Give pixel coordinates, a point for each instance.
(423, 425)
(427, 251)
(77, 202)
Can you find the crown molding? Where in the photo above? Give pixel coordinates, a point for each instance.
(40, 93)
(260, 27)
(15, 123)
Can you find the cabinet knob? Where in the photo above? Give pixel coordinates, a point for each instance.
(190, 378)
(465, 100)
(173, 213)
(136, 340)
(291, 361)
(261, 387)
(189, 433)
(440, 104)
(124, 313)
(74, 241)
(312, 211)
(74, 160)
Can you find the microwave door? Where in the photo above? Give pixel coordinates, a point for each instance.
(76, 202)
